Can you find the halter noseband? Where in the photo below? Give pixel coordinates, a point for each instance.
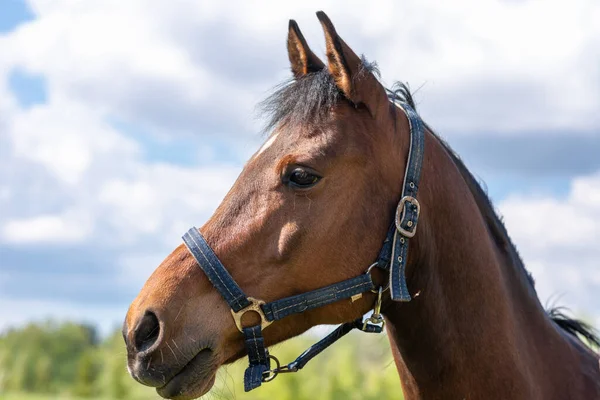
(392, 257)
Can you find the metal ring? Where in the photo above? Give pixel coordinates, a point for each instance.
(255, 305)
(272, 373)
(375, 264)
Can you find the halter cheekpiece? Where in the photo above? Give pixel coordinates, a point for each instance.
(392, 257)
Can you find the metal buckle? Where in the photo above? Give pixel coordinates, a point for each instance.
(376, 318)
(253, 306)
(400, 214)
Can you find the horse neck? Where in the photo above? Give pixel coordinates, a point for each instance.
(465, 327)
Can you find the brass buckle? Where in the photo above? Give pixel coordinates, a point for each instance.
(253, 306)
(400, 214)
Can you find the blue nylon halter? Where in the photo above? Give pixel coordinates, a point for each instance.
(392, 257)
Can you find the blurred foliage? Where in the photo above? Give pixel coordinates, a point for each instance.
(69, 361)
(359, 366)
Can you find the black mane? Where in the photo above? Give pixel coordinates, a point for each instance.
(498, 230)
(306, 100)
(309, 99)
(303, 101)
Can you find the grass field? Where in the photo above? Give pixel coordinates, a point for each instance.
(35, 396)
(359, 367)
(31, 396)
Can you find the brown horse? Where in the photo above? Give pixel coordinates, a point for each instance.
(312, 207)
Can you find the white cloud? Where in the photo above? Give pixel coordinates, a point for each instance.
(486, 65)
(65, 138)
(559, 240)
(4, 193)
(499, 66)
(121, 60)
(69, 174)
(163, 200)
(69, 227)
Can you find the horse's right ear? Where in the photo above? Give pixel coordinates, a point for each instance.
(302, 59)
(350, 73)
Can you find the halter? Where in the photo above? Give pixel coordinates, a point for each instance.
(392, 258)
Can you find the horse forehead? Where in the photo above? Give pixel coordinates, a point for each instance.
(285, 143)
(267, 144)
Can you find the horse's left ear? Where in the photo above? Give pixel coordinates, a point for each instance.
(351, 76)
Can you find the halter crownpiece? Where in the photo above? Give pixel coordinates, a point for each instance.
(392, 257)
(394, 253)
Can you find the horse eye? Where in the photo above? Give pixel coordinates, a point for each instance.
(302, 178)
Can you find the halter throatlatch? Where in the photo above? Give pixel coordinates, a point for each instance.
(392, 257)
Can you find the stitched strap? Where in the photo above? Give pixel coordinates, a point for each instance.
(412, 176)
(394, 252)
(214, 270)
(258, 357)
(279, 309)
(328, 340)
(398, 287)
(392, 257)
(321, 345)
(385, 254)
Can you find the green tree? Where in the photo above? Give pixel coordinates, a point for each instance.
(116, 381)
(62, 358)
(86, 375)
(44, 357)
(22, 376)
(118, 386)
(43, 374)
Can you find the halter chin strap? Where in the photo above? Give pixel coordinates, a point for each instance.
(392, 257)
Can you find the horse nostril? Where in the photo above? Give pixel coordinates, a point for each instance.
(146, 332)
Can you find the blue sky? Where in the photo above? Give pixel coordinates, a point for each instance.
(111, 113)
(15, 12)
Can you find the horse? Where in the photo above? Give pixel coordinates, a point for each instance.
(307, 216)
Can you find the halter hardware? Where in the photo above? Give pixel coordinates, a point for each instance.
(367, 326)
(401, 212)
(255, 305)
(271, 374)
(386, 288)
(376, 319)
(392, 258)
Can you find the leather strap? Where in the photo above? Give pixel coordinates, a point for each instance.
(392, 257)
(394, 252)
(215, 271)
(258, 357)
(328, 340)
(276, 310)
(279, 309)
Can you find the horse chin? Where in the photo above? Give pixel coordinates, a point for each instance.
(195, 379)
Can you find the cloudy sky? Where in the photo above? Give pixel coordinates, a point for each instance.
(124, 123)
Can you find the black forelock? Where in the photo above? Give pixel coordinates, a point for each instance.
(306, 100)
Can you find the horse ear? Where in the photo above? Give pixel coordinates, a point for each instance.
(351, 76)
(302, 59)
